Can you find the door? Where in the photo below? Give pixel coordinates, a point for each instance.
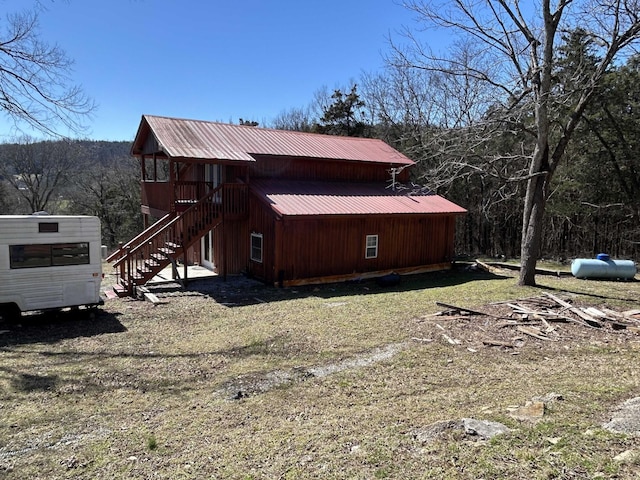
(206, 251)
(213, 179)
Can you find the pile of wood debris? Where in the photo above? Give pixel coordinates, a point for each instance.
(539, 318)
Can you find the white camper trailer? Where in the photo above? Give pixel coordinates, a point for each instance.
(49, 262)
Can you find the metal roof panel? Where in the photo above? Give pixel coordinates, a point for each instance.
(292, 198)
(181, 138)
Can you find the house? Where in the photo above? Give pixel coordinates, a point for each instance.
(285, 207)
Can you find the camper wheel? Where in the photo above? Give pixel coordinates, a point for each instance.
(9, 312)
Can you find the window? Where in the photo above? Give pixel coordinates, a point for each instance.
(256, 247)
(371, 250)
(48, 255)
(49, 227)
(70, 254)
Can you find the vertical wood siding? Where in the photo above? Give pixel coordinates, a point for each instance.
(262, 220)
(231, 247)
(333, 246)
(322, 169)
(317, 246)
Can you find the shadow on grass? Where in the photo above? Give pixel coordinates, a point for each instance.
(609, 286)
(241, 291)
(25, 382)
(51, 327)
(135, 370)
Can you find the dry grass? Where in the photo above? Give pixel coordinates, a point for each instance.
(145, 391)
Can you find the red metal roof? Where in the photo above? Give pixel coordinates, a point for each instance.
(180, 138)
(287, 197)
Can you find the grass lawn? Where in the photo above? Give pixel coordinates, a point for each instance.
(331, 381)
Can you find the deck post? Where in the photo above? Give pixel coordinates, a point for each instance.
(184, 264)
(223, 243)
(127, 271)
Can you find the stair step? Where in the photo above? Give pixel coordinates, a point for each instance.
(110, 294)
(120, 290)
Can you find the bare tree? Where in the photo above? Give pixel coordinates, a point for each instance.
(35, 80)
(8, 205)
(516, 60)
(39, 170)
(296, 119)
(110, 190)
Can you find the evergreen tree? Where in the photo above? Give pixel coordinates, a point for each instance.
(344, 115)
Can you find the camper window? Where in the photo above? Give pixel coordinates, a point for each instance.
(48, 255)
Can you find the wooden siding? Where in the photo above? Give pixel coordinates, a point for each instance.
(323, 169)
(262, 220)
(156, 196)
(308, 247)
(231, 247)
(333, 246)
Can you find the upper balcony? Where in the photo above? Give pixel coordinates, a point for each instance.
(164, 197)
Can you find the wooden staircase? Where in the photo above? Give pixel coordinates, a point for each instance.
(142, 258)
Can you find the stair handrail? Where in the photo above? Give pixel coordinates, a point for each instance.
(177, 219)
(140, 238)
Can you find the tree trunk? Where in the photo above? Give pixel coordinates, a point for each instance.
(532, 232)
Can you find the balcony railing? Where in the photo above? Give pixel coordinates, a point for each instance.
(159, 196)
(156, 195)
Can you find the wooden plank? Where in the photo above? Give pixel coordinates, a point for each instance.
(366, 275)
(452, 341)
(150, 297)
(510, 323)
(559, 301)
(584, 316)
(619, 315)
(533, 332)
(498, 343)
(594, 312)
(464, 309)
(486, 267)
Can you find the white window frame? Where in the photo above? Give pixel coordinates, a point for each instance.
(256, 236)
(371, 243)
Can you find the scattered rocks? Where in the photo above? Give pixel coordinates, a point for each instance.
(626, 418)
(531, 411)
(548, 398)
(436, 430)
(628, 457)
(469, 428)
(483, 429)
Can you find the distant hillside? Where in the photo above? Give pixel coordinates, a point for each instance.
(95, 151)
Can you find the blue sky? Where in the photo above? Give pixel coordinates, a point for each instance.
(211, 59)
